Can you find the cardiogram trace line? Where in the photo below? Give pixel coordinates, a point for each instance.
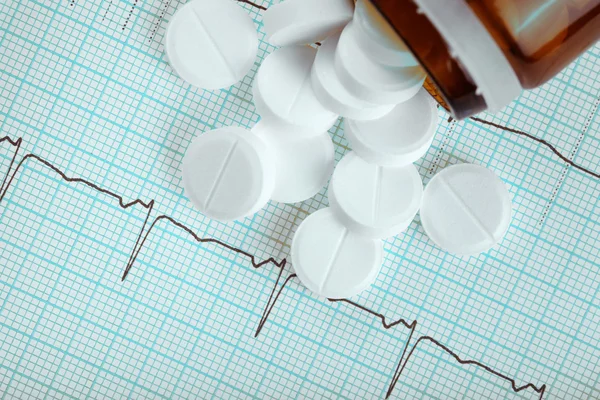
(413, 327)
(541, 141)
(574, 151)
(275, 293)
(253, 4)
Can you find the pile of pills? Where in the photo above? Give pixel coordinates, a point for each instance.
(361, 72)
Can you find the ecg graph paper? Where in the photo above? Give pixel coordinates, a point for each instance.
(94, 126)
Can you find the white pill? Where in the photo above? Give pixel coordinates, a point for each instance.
(305, 21)
(378, 39)
(228, 173)
(283, 94)
(331, 260)
(398, 138)
(466, 209)
(332, 94)
(211, 44)
(370, 81)
(372, 200)
(303, 165)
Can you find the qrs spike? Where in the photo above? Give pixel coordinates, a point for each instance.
(256, 263)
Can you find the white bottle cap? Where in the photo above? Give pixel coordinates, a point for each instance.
(473, 46)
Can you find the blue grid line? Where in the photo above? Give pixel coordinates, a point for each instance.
(435, 266)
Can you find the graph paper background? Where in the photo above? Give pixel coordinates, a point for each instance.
(86, 87)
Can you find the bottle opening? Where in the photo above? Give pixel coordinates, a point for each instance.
(480, 54)
(447, 81)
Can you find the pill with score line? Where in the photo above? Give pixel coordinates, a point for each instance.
(228, 173)
(303, 165)
(305, 21)
(333, 261)
(211, 44)
(373, 200)
(399, 138)
(284, 97)
(332, 94)
(466, 209)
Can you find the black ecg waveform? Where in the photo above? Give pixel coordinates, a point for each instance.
(541, 141)
(253, 4)
(275, 293)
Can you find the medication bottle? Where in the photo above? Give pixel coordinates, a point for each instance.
(480, 54)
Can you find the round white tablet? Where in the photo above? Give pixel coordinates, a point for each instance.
(211, 44)
(368, 80)
(332, 94)
(331, 260)
(283, 94)
(303, 165)
(373, 200)
(466, 209)
(305, 21)
(228, 173)
(378, 39)
(400, 137)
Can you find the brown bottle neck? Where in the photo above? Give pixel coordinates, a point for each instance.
(448, 82)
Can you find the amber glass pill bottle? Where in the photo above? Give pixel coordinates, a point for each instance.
(480, 54)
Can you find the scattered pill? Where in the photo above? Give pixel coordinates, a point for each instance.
(466, 209)
(284, 97)
(333, 261)
(332, 94)
(370, 81)
(211, 44)
(305, 21)
(372, 200)
(303, 165)
(378, 39)
(228, 173)
(398, 138)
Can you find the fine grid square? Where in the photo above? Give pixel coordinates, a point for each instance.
(38, 94)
